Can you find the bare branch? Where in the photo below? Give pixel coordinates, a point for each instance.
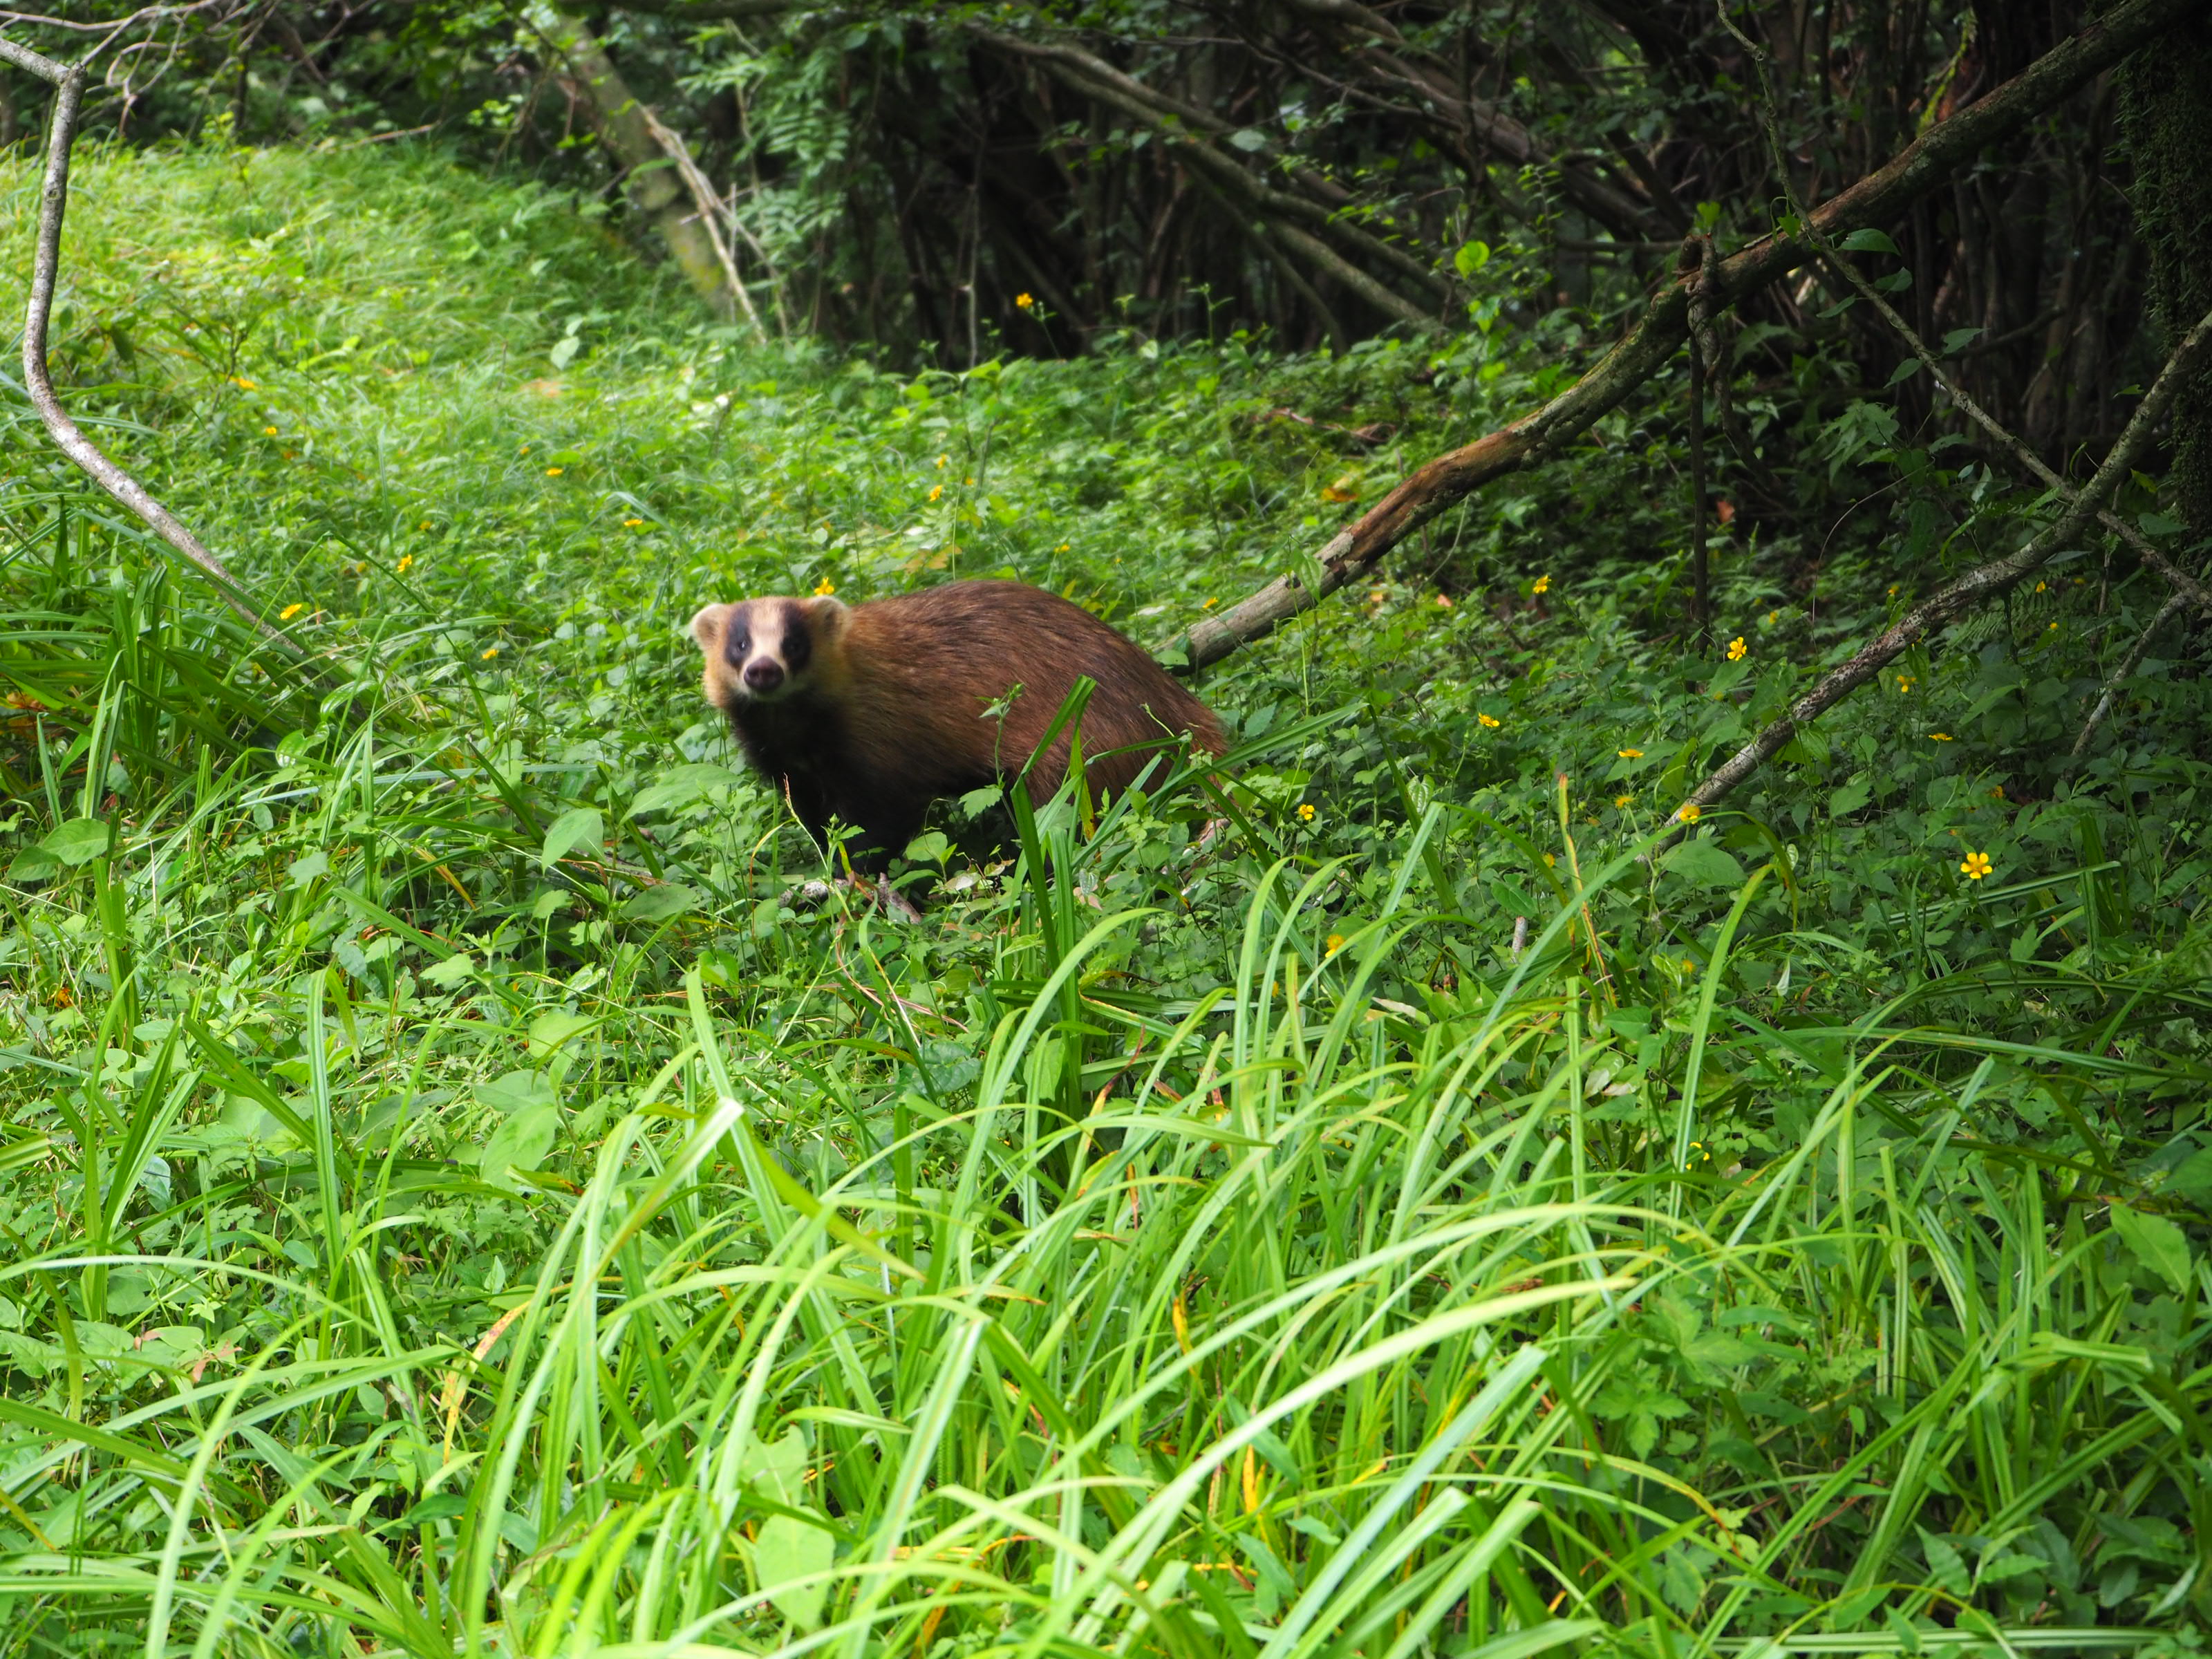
(1985, 581)
(703, 197)
(68, 99)
(1880, 196)
(2128, 664)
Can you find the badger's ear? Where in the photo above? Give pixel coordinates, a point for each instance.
(828, 615)
(706, 628)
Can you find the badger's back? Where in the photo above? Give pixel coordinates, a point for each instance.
(926, 668)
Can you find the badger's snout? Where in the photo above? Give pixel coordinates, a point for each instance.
(763, 675)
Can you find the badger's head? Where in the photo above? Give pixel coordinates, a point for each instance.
(761, 651)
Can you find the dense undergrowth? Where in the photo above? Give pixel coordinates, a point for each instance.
(453, 1201)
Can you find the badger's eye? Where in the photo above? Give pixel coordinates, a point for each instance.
(741, 644)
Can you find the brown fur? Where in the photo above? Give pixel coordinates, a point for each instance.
(881, 708)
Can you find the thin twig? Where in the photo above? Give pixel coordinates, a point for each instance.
(1983, 582)
(69, 98)
(710, 205)
(2128, 664)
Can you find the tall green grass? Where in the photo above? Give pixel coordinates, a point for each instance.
(455, 1201)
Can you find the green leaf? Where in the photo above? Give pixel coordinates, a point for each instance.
(449, 973)
(1947, 1568)
(551, 1029)
(659, 903)
(302, 870)
(80, 840)
(2156, 1242)
(787, 1550)
(929, 848)
(1471, 258)
(680, 787)
(580, 826)
(1249, 140)
(1854, 793)
(2192, 1177)
(520, 1142)
(778, 1467)
(1868, 241)
(1706, 864)
(516, 1092)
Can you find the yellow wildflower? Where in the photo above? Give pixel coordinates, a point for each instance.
(243, 381)
(1689, 811)
(491, 651)
(1904, 682)
(1209, 605)
(1996, 792)
(1543, 584)
(1940, 736)
(289, 612)
(1622, 801)
(825, 588)
(1975, 866)
(2043, 587)
(553, 471)
(1737, 649)
(1629, 754)
(1305, 811)
(1486, 720)
(936, 491)
(1335, 943)
(941, 460)
(406, 561)
(1063, 547)
(268, 431)
(1024, 301)
(632, 523)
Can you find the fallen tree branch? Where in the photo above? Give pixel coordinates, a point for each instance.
(1912, 173)
(703, 197)
(1984, 581)
(68, 83)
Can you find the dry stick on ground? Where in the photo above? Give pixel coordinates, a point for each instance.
(2187, 589)
(68, 99)
(703, 198)
(1929, 162)
(1985, 581)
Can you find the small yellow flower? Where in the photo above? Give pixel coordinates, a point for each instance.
(406, 561)
(1689, 811)
(2054, 628)
(1629, 754)
(1697, 1155)
(289, 612)
(1486, 720)
(1622, 801)
(1305, 811)
(1334, 944)
(971, 483)
(936, 491)
(1996, 791)
(1024, 301)
(825, 588)
(1975, 866)
(1737, 649)
(1689, 965)
(632, 523)
(1063, 547)
(1904, 682)
(1771, 617)
(1893, 590)
(491, 651)
(941, 460)
(1543, 584)
(268, 431)
(553, 471)
(425, 525)
(2043, 587)
(243, 381)
(1550, 863)
(1209, 605)
(1939, 737)
(524, 450)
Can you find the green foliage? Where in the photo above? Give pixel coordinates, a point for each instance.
(459, 1197)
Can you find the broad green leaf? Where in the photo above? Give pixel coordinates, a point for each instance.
(301, 871)
(549, 1032)
(2156, 1242)
(787, 1550)
(520, 1142)
(1868, 241)
(680, 787)
(80, 840)
(1705, 863)
(516, 1092)
(580, 826)
(658, 903)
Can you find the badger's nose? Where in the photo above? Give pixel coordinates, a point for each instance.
(763, 675)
